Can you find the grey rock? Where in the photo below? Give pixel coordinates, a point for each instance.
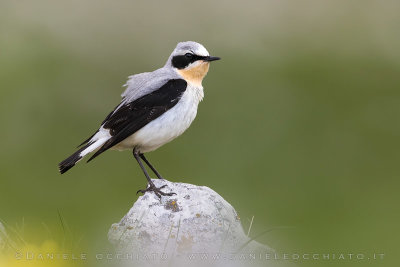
(180, 228)
(3, 237)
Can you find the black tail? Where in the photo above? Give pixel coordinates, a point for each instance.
(70, 162)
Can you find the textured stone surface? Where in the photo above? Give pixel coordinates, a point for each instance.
(195, 220)
(3, 236)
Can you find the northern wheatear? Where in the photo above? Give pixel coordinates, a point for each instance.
(156, 108)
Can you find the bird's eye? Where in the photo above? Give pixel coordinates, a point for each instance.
(188, 55)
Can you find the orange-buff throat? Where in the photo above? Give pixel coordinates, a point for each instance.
(195, 74)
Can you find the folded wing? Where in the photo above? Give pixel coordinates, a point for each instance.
(129, 117)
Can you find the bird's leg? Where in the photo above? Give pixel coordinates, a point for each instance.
(151, 167)
(151, 186)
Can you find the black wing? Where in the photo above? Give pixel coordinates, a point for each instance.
(131, 117)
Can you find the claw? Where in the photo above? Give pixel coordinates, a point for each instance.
(156, 190)
(140, 191)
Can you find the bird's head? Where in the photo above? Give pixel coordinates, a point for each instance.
(191, 60)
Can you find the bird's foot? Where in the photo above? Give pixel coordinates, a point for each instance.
(156, 190)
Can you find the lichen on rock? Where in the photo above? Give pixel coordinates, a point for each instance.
(195, 220)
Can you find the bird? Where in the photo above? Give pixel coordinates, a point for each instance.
(156, 107)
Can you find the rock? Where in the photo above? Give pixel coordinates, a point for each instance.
(3, 237)
(173, 229)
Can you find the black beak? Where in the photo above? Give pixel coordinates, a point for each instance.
(210, 58)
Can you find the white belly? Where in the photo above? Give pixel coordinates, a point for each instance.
(168, 126)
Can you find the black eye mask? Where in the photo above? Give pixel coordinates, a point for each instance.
(182, 61)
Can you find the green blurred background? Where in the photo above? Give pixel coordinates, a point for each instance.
(299, 126)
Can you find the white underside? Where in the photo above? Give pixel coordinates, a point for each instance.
(168, 126)
(159, 131)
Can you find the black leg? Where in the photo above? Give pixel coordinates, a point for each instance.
(151, 167)
(151, 186)
(136, 155)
